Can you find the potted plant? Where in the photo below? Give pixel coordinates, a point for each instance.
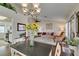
(72, 42)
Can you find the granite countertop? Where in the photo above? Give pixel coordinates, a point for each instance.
(39, 49)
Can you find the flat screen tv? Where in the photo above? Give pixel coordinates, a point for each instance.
(20, 27)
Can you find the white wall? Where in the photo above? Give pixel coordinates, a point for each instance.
(18, 19)
(2, 34)
(56, 26)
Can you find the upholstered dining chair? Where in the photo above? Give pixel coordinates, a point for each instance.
(44, 33)
(60, 50)
(57, 51)
(52, 33)
(60, 38)
(66, 51)
(39, 34)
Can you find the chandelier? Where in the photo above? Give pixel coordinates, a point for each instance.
(32, 9)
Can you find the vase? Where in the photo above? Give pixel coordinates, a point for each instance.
(31, 38)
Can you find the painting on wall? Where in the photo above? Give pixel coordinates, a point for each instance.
(49, 26)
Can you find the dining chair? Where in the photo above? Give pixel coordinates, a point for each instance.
(57, 51)
(66, 51)
(44, 33)
(60, 38)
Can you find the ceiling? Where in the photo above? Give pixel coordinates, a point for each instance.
(52, 11)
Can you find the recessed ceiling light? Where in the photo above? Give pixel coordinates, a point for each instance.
(24, 5)
(3, 17)
(36, 5)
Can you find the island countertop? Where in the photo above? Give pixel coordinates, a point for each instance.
(39, 49)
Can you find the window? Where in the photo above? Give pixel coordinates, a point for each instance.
(1, 29)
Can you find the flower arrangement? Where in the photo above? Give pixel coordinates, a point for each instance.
(32, 26)
(32, 31)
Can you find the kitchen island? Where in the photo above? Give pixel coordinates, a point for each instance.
(23, 49)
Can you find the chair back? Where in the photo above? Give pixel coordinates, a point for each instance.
(58, 49)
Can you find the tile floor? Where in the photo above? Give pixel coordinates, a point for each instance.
(4, 49)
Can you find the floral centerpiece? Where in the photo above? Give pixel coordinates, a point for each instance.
(33, 27)
(32, 30)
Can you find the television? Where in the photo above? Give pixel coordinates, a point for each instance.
(20, 27)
